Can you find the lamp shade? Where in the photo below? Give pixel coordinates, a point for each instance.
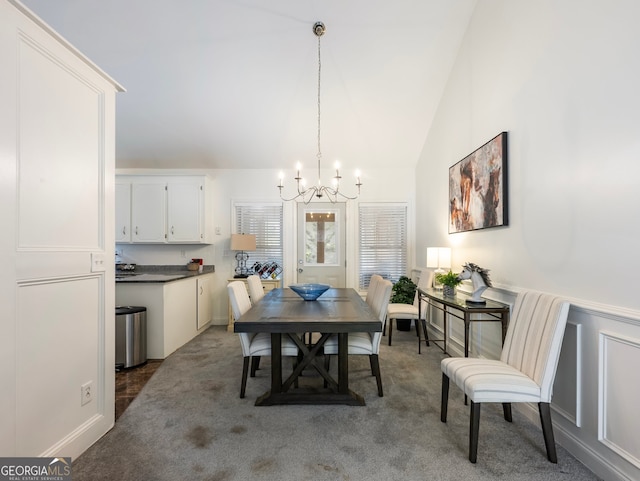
(243, 242)
(439, 257)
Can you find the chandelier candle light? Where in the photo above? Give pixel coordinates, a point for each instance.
(332, 192)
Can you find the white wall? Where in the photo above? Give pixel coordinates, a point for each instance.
(561, 77)
(260, 185)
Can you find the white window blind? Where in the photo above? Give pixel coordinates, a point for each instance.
(383, 242)
(265, 221)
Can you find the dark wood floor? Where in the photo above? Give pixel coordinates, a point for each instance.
(129, 382)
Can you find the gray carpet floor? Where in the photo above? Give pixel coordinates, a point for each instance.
(188, 423)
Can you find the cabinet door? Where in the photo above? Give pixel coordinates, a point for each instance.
(148, 212)
(123, 212)
(185, 211)
(205, 311)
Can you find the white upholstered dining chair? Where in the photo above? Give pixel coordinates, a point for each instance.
(373, 285)
(525, 371)
(256, 290)
(253, 345)
(409, 311)
(367, 343)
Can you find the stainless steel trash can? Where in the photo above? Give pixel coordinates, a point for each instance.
(131, 336)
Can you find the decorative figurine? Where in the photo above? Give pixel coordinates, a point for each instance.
(480, 279)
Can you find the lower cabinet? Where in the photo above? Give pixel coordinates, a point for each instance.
(176, 311)
(204, 307)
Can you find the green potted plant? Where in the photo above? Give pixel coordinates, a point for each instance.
(404, 292)
(449, 282)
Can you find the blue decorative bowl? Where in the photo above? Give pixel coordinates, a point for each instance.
(309, 292)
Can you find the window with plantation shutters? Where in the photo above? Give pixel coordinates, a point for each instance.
(265, 221)
(383, 241)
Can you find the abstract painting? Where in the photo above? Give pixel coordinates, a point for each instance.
(478, 188)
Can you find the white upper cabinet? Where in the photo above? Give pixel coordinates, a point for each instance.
(123, 212)
(148, 212)
(162, 209)
(185, 212)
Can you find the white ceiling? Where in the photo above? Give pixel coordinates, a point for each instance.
(233, 83)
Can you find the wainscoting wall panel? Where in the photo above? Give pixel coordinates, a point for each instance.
(618, 394)
(567, 389)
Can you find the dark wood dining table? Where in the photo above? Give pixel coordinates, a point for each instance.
(282, 312)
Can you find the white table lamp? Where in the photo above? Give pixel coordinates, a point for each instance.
(438, 258)
(242, 243)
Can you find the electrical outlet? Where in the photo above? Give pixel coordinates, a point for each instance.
(86, 393)
(218, 230)
(183, 253)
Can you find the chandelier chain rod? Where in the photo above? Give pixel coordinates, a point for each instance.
(319, 155)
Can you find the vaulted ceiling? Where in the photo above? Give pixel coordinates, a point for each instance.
(233, 83)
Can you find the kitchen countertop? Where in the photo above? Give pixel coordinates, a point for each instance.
(159, 274)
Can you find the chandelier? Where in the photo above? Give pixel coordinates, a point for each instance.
(319, 191)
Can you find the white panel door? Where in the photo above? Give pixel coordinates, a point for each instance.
(57, 125)
(321, 244)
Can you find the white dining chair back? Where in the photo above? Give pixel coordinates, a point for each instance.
(533, 346)
(256, 290)
(525, 371)
(373, 285)
(240, 303)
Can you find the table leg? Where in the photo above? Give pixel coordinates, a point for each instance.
(505, 324)
(343, 363)
(444, 325)
(276, 363)
(418, 321)
(467, 321)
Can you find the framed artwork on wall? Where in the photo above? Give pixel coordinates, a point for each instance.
(478, 188)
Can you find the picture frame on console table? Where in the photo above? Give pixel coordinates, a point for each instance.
(478, 188)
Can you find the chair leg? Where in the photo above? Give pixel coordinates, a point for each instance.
(444, 404)
(384, 326)
(375, 367)
(474, 428)
(547, 431)
(255, 365)
(390, 329)
(506, 407)
(245, 370)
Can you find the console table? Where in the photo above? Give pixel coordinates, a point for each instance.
(457, 307)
